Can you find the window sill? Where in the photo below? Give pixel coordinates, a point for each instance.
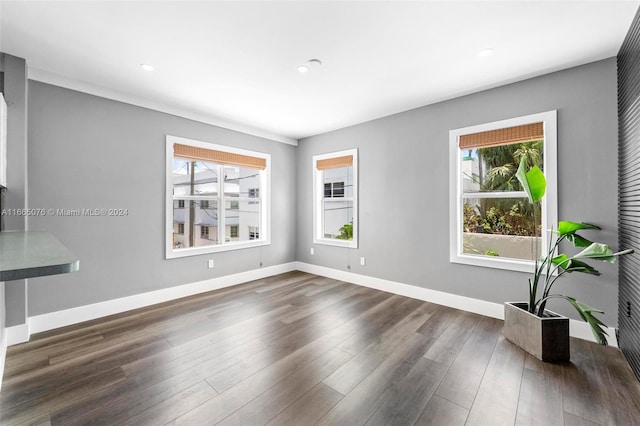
(495, 263)
(194, 251)
(337, 243)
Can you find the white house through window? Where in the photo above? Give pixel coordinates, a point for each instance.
(335, 198)
(215, 193)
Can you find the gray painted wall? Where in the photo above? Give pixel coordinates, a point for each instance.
(404, 186)
(90, 152)
(16, 95)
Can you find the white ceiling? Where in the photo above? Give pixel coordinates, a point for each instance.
(234, 63)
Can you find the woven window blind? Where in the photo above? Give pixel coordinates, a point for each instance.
(518, 134)
(335, 162)
(220, 157)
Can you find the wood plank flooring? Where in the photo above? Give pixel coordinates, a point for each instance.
(298, 349)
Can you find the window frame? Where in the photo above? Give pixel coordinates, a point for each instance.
(549, 205)
(318, 196)
(264, 202)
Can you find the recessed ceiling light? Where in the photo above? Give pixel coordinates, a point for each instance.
(485, 52)
(306, 67)
(146, 67)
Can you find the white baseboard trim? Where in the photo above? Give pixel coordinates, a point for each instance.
(39, 323)
(17, 334)
(577, 329)
(52, 320)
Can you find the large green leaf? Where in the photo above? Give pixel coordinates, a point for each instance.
(561, 260)
(533, 181)
(537, 183)
(565, 227)
(579, 241)
(573, 265)
(598, 328)
(598, 251)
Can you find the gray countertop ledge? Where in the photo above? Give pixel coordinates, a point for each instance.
(29, 254)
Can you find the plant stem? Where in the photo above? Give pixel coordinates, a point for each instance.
(549, 280)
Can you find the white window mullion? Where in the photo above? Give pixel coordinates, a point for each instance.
(495, 194)
(221, 206)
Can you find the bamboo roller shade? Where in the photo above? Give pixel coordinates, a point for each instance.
(509, 135)
(335, 162)
(219, 157)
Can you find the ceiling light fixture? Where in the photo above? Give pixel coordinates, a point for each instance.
(485, 52)
(302, 69)
(146, 67)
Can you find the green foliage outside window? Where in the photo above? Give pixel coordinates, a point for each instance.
(499, 215)
(346, 231)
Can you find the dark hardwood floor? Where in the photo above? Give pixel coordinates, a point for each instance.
(298, 349)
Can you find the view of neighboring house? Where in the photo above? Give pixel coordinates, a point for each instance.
(196, 205)
(338, 200)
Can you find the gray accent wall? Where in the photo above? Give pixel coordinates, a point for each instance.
(89, 152)
(404, 186)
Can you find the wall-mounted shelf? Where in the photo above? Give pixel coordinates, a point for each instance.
(29, 254)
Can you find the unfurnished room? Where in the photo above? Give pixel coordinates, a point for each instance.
(320, 212)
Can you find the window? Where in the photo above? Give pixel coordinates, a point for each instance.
(335, 198)
(221, 190)
(254, 193)
(204, 232)
(492, 222)
(334, 190)
(254, 233)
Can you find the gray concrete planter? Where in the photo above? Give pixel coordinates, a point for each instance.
(546, 338)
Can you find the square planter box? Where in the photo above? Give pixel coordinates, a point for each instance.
(545, 338)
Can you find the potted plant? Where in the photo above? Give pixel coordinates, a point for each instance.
(535, 329)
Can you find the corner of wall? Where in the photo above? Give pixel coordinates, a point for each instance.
(3, 334)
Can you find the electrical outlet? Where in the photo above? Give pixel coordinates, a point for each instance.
(312, 251)
(363, 261)
(210, 263)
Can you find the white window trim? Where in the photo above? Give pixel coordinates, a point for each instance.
(549, 201)
(318, 195)
(265, 200)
